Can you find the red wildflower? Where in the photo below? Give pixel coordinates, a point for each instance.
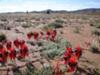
(41, 34)
(8, 44)
(36, 35)
(16, 42)
(12, 52)
(78, 51)
(67, 55)
(72, 63)
(29, 35)
(48, 33)
(52, 34)
(68, 49)
(24, 49)
(3, 56)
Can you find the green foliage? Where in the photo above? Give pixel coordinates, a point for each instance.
(31, 43)
(2, 37)
(96, 71)
(55, 25)
(39, 43)
(99, 41)
(45, 71)
(96, 32)
(96, 24)
(53, 49)
(16, 71)
(27, 24)
(20, 20)
(4, 19)
(77, 30)
(94, 49)
(63, 68)
(59, 21)
(32, 71)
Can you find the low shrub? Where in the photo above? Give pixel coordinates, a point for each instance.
(96, 71)
(96, 32)
(4, 19)
(2, 37)
(91, 24)
(55, 25)
(94, 49)
(96, 24)
(16, 71)
(59, 21)
(77, 30)
(53, 49)
(26, 25)
(45, 71)
(19, 20)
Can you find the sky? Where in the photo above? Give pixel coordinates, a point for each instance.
(38, 5)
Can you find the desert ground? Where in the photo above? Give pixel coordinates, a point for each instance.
(73, 29)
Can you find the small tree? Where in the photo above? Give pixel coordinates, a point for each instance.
(48, 11)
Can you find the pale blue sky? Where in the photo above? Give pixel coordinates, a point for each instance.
(31, 5)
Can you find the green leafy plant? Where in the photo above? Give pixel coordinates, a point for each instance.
(20, 20)
(96, 32)
(59, 21)
(96, 71)
(2, 37)
(39, 43)
(55, 25)
(30, 69)
(53, 49)
(45, 71)
(77, 30)
(27, 25)
(4, 19)
(16, 71)
(96, 24)
(94, 49)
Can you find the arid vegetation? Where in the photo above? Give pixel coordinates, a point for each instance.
(46, 47)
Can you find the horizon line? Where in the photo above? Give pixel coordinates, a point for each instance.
(48, 9)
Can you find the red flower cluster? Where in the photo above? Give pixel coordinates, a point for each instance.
(49, 35)
(35, 35)
(13, 49)
(29, 35)
(71, 58)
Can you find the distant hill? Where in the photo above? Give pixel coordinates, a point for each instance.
(88, 10)
(83, 11)
(52, 11)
